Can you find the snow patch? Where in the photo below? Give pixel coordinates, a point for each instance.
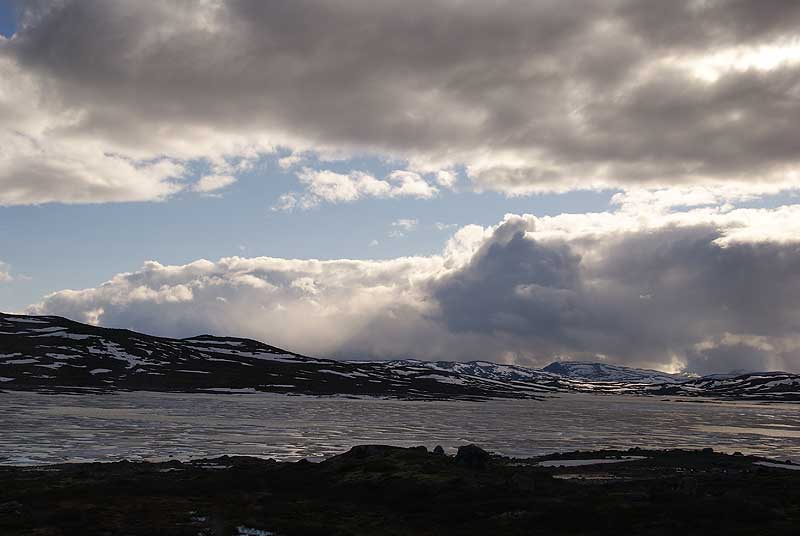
(52, 365)
(46, 330)
(74, 336)
(329, 371)
(443, 379)
(24, 320)
(115, 351)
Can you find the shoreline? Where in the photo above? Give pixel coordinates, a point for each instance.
(539, 397)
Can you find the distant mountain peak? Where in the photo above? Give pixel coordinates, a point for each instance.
(594, 371)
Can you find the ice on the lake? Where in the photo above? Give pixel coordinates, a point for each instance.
(56, 428)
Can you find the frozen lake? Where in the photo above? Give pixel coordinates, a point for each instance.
(37, 428)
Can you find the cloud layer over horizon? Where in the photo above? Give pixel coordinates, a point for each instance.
(685, 113)
(519, 97)
(702, 290)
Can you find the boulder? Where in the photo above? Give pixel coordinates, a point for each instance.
(472, 456)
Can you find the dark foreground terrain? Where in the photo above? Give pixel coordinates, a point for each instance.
(387, 490)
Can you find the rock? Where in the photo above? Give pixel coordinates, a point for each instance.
(438, 450)
(707, 450)
(472, 456)
(370, 451)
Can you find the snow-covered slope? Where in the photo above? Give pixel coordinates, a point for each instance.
(46, 352)
(607, 372)
(488, 371)
(749, 386)
(603, 378)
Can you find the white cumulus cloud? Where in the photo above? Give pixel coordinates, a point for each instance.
(5, 272)
(705, 290)
(331, 187)
(212, 183)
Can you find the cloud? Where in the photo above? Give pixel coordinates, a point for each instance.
(406, 224)
(5, 273)
(212, 183)
(331, 187)
(582, 298)
(446, 179)
(40, 161)
(288, 162)
(310, 305)
(703, 290)
(522, 96)
(403, 226)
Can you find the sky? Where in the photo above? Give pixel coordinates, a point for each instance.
(604, 180)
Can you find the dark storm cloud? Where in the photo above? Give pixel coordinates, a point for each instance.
(527, 95)
(670, 294)
(518, 286)
(734, 358)
(691, 24)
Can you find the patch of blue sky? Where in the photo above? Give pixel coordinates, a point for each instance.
(8, 18)
(77, 246)
(791, 197)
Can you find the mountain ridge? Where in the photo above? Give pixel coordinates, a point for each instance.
(56, 353)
